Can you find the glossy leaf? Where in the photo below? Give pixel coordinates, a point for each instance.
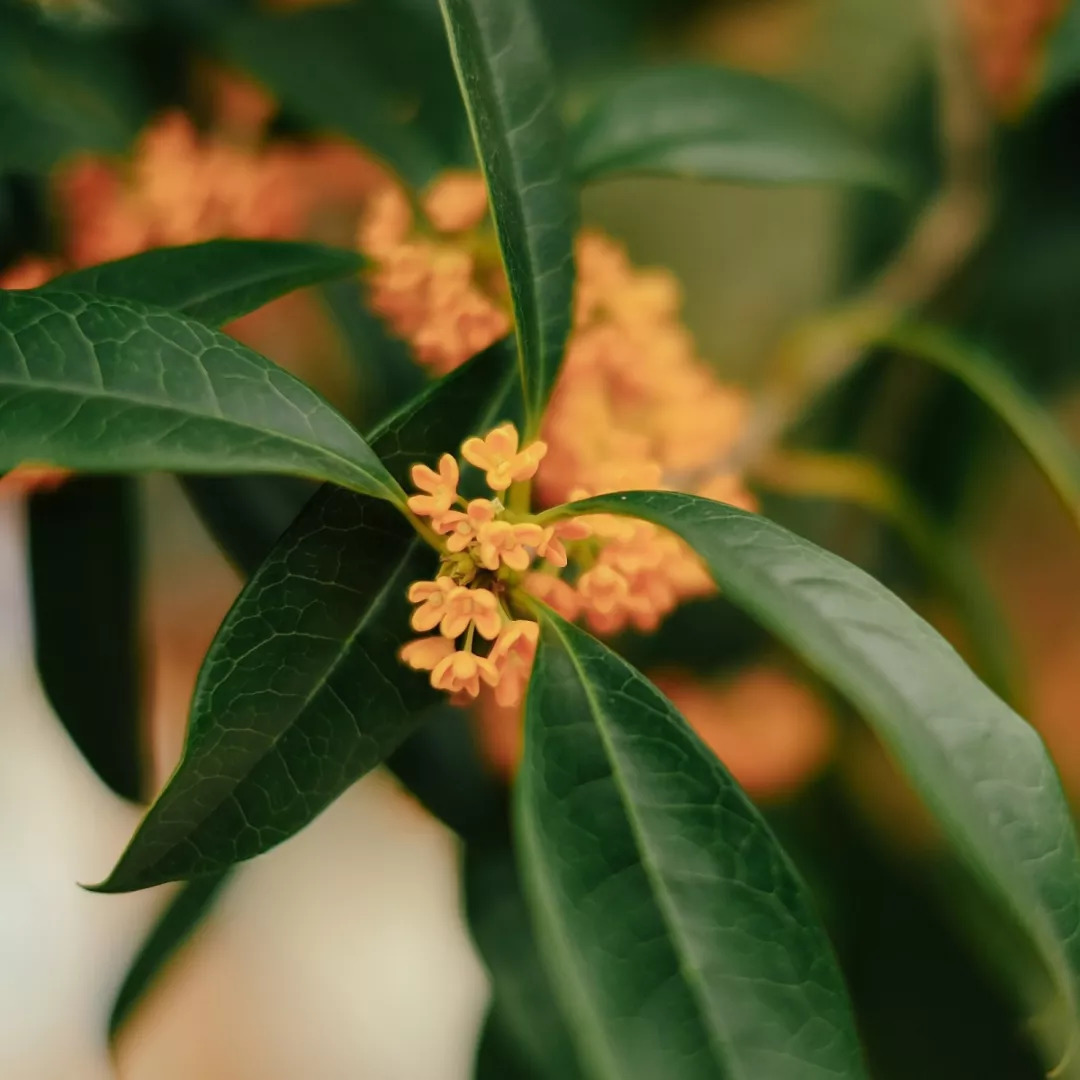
(982, 771)
(301, 692)
(108, 385)
(712, 123)
(1036, 430)
(861, 481)
(84, 558)
(679, 936)
(509, 92)
(214, 282)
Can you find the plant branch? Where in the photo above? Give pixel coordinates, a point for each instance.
(946, 234)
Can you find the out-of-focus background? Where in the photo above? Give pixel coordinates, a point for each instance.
(344, 953)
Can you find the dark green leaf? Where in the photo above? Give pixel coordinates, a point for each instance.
(1059, 68)
(1036, 430)
(863, 482)
(301, 692)
(63, 93)
(524, 1025)
(680, 938)
(170, 933)
(84, 556)
(509, 92)
(214, 282)
(323, 65)
(979, 767)
(107, 385)
(246, 515)
(711, 123)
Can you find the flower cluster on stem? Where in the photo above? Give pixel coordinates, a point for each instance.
(474, 602)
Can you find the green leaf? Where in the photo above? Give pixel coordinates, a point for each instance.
(979, 767)
(1059, 67)
(712, 123)
(214, 282)
(84, 557)
(63, 93)
(107, 385)
(185, 911)
(524, 1024)
(301, 692)
(681, 939)
(1037, 432)
(509, 91)
(323, 65)
(862, 481)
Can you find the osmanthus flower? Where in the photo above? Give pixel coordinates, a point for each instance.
(481, 590)
(635, 407)
(439, 488)
(498, 455)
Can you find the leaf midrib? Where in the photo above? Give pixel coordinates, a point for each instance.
(507, 155)
(1042, 929)
(91, 393)
(719, 1041)
(323, 682)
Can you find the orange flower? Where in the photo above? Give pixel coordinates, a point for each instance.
(476, 606)
(432, 596)
(386, 223)
(441, 488)
(551, 544)
(513, 655)
(603, 589)
(461, 672)
(456, 202)
(501, 543)
(497, 453)
(425, 654)
(556, 593)
(462, 528)
(26, 479)
(30, 272)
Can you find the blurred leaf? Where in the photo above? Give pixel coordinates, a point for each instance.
(1060, 66)
(663, 902)
(860, 480)
(246, 515)
(84, 556)
(107, 385)
(711, 123)
(182, 915)
(340, 68)
(982, 771)
(214, 282)
(524, 1028)
(1033, 426)
(508, 87)
(63, 92)
(301, 692)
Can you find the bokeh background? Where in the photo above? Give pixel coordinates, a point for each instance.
(345, 953)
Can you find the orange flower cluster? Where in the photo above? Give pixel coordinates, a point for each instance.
(486, 551)
(635, 406)
(426, 277)
(180, 185)
(1009, 40)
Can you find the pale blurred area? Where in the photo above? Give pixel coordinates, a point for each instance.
(340, 955)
